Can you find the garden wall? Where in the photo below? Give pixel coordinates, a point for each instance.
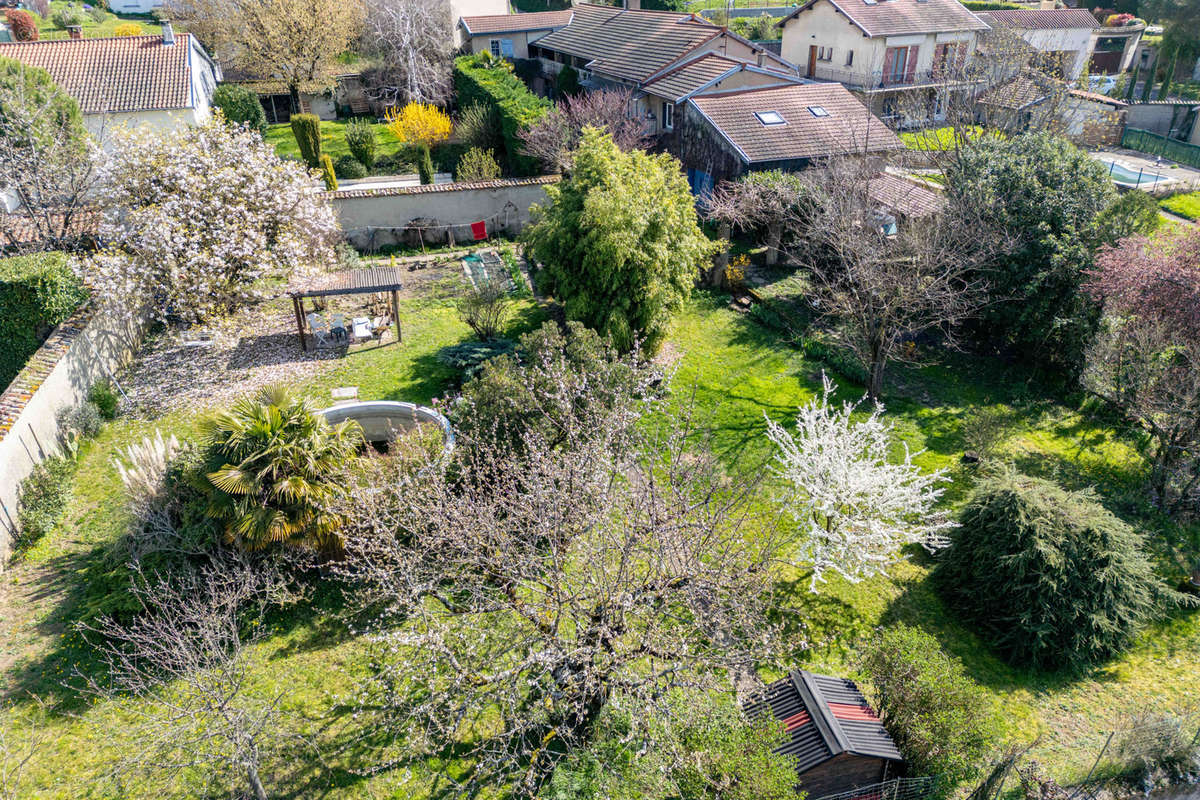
(374, 218)
(87, 347)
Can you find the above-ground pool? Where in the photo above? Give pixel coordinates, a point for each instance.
(1128, 176)
(383, 420)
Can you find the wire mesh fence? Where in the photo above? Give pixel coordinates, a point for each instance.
(895, 789)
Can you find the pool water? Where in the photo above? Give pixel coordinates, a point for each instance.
(1132, 177)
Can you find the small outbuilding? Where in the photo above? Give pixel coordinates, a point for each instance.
(836, 739)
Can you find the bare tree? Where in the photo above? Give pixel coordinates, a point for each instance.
(553, 138)
(184, 657)
(881, 287)
(514, 597)
(46, 163)
(412, 43)
(759, 201)
(293, 41)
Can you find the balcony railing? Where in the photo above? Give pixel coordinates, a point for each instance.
(878, 80)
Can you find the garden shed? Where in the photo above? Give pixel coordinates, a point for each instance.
(835, 738)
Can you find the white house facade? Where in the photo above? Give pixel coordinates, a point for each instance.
(1065, 36)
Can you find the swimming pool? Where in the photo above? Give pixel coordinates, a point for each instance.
(1126, 176)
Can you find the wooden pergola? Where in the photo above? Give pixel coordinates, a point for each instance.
(376, 280)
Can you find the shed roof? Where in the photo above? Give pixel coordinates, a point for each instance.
(846, 127)
(904, 196)
(355, 281)
(629, 44)
(515, 23)
(824, 717)
(683, 79)
(901, 17)
(114, 75)
(1037, 19)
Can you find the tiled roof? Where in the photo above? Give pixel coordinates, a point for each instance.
(904, 196)
(18, 229)
(680, 81)
(848, 127)
(513, 23)
(1018, 93)
(824, 717)
(629, 44)
(129, 73)
(1098, 98)
(902, 17)
(1035, 19)
(433, 188)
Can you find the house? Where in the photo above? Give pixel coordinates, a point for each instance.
(347, 96)
(1115, 45)
(835, 739)
(135, 6)
(509, 35)
(161, 80)
(727, 133)
(659, 55)
(473, 8)
(1063, 37)
(906, 55)
(1033, 99)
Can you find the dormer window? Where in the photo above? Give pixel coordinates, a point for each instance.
(818, 111)
(770, 117)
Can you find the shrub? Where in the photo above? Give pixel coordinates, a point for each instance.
(42, 499)
(133, 29)
(1131, 214)
(307, 130)
(468, 358)
(84, 418)
(98, 14)
(491, 83)
(361, 139)
(479, 126)
(240, 106)
(425, 166)
(24, 27)
(477, 165)
(328, 174)
(566, 82)
(484, 309)
(419, 124)
(37, 292)
(348, 167)
(67, 15)
(940, 719)
(1051, 578)
(1156, 741)
(269, 467)
(104, 397)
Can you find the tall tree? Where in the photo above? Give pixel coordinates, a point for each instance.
(411, 43)
(293, 41)
(619, 243)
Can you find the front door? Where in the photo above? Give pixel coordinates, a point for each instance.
(812, 61)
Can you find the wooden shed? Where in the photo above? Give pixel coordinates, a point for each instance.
(835, 738)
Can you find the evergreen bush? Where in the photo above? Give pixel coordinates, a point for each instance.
(477, 165)
(328, 174)
(104, 397)
(348, 167)
(361, 139)
(307, 130)
(240, 107)
(37, 292)
(42, 499)
(425, 165)
(1049, 577)
(491, 82)
(566, 82)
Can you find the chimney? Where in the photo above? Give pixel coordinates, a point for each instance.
(168, 33)
(761, 58)
(75, 31)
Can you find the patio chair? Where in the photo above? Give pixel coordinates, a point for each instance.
(320, 329)
(338, 327)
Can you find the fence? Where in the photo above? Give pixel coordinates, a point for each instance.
(895, 789)
(1147, 142)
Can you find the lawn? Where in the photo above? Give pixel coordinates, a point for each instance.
(92, 28)
(391, 157)
(935, 138)
(1183, 205)
(736, 371)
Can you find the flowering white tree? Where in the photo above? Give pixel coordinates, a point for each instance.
(857, 508)
(197, 219)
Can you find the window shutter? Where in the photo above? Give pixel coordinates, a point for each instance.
(889, 60)
(911, 63)
(939, 59)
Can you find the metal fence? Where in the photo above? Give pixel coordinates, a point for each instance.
(895, 789)
(1147, 142)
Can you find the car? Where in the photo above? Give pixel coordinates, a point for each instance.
(1102, 83)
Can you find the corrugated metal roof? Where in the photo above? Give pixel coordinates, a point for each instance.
(514, 23)
(902, 17)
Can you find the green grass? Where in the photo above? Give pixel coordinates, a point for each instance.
(737, 372)
(388, 151)
(934, 138)
(91, 28)
(1183, 205)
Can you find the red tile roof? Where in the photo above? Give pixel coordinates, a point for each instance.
(847, 128)
(629, 44)
(1098, 98)
(1033, 19)
(514, 23)
(901, 17)
(129, 73)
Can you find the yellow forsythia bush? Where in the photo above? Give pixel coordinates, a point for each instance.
(128, 29)
(419, 123)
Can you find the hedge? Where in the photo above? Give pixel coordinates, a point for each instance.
(479, 79)
(37, 292)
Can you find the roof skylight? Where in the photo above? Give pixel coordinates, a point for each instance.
(818, 111)
(770, 117)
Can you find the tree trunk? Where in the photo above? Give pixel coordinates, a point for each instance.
(875, 377)
(716, 275)
(294, 94)
(255, 784)
(774, 236)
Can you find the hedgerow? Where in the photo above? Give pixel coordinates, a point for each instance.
(480, 79)
(37, 292)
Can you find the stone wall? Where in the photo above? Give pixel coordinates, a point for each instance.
(436, 214)
(87, 347)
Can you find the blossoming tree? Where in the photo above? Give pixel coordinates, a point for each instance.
(856, 508)
(197, 219)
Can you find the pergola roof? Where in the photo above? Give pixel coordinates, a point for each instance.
(355, 281)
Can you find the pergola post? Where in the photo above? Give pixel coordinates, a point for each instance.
(396, 314)
(298, 308)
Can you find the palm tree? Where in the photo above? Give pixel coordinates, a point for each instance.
(269, 471)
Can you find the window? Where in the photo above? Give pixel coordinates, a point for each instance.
(668, 116)
(770, 117)
(824, 54)
(849, 58)
(894, 64)
(818, 111)
(534, 52)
